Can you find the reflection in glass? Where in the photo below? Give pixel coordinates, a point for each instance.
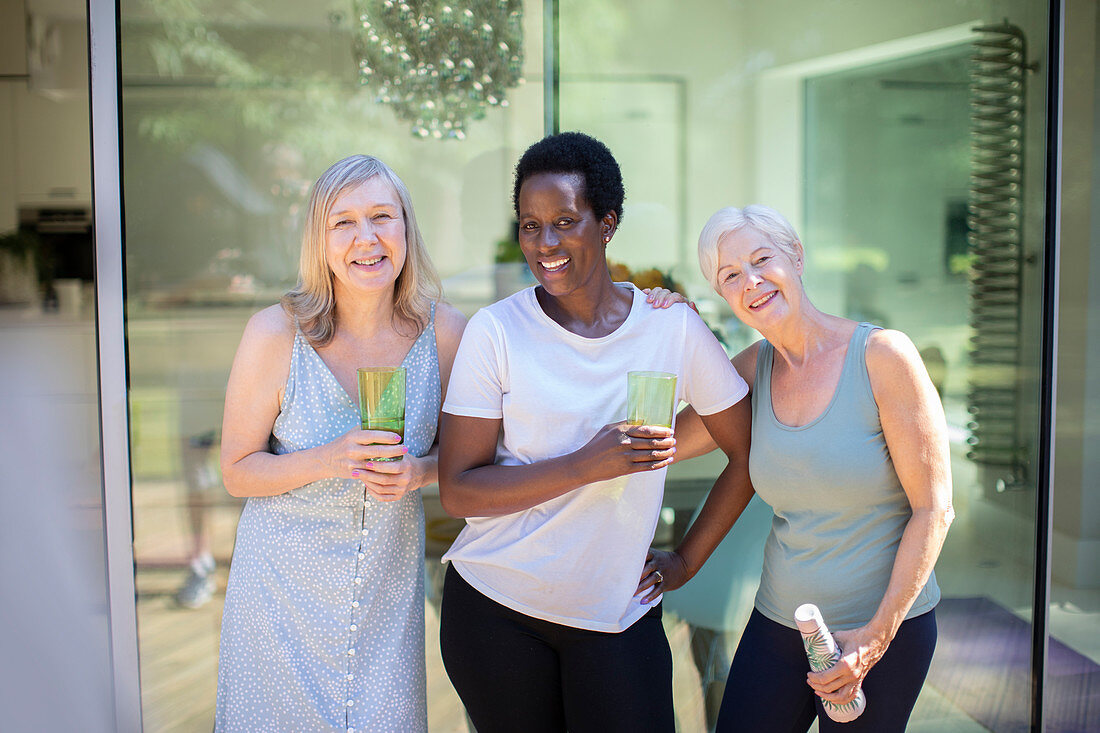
(229, 111)
(857, 125)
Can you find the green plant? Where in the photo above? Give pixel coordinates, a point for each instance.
(508, 251)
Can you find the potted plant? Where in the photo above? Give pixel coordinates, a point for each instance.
(510, 272)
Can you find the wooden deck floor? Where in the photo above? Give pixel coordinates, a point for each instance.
(178, 647)
(179, 659)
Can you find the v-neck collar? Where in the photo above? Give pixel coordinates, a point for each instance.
(352, 401)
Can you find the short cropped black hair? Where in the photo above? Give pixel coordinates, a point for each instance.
(575, 152)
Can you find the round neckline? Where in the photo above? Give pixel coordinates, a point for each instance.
(836, 390)
(533, 301)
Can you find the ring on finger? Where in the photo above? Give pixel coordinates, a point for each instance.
(660, 578)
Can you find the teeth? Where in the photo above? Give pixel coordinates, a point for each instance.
(372, 261)
(760, 301)
(555, 264)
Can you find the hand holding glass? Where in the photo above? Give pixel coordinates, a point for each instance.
(650, 398)
(382, 401)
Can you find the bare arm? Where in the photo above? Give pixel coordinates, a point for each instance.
(729, 496)
(692, 437)
(472, 485)
(915, 430)
(252, 399)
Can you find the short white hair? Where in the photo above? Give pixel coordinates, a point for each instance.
(761, 219)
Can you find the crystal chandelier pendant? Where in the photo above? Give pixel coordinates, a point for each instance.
(440, 64)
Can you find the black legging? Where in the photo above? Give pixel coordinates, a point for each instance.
(517, 673)
(767, 690)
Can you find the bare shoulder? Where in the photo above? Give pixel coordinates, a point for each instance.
(449, 323)
(745, 362)
(270, 328)
(889, 350)
(894, 366)
(266, 344)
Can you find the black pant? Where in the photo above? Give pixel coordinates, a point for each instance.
(767, 690)
(517, 673)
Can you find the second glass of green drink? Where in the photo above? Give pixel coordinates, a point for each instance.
(382, 401)
(650, 398)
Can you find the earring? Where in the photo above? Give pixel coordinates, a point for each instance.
(606, 238)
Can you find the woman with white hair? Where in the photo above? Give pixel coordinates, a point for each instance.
(849, 447)
(323, 627)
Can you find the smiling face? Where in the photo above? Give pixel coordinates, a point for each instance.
(365, 238)
(561, 237)
(760, 281)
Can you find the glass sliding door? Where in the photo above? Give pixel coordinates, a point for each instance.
(229, 112)
(890, 204)
(855, 121)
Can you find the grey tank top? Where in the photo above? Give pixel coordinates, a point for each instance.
(839, 508)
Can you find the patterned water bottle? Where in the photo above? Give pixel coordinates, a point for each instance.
(822, 651)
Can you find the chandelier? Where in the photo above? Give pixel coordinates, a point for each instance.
(440, 64)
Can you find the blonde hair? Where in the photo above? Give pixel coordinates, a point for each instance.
(762, 219)
(312, 302)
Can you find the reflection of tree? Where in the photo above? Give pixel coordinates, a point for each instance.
(227, 119)
(227, 76)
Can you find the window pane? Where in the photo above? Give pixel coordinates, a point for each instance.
(855, 122)
(230, 111)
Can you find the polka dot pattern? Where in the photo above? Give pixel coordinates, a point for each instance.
(323, 628)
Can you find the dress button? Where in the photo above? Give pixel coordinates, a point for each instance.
(350, 676)
(355, 604)
(350, 703)
(366, 532)
(362, 555)
(351, 730)
(354, 627)
(351, 652)
(358, 581)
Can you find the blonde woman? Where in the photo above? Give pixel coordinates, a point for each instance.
(323, 624)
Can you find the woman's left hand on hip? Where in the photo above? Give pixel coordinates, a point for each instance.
(663, 571)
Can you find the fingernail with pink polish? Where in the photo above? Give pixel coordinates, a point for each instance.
(355, 474)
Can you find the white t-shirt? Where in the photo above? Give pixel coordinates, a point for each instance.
(576, 559)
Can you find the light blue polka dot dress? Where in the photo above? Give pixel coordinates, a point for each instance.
(323, 628)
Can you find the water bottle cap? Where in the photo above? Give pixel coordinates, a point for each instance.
(808, 618)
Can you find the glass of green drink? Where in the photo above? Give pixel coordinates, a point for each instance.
(382, 401)
(650, 398)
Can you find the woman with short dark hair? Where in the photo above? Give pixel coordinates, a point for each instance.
(551, 618)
